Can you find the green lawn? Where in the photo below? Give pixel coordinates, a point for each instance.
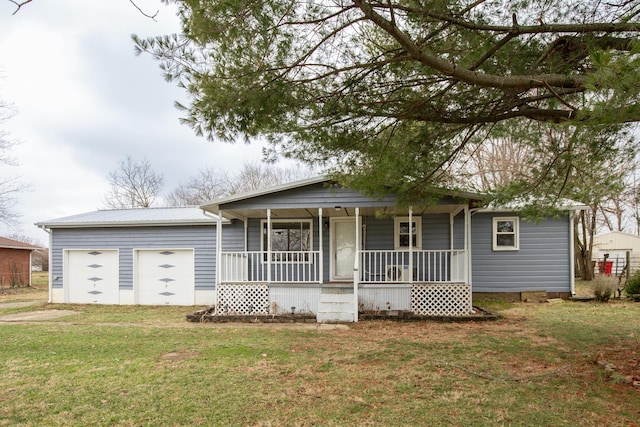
(146, 366)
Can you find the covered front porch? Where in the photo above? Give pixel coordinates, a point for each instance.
(338, 260)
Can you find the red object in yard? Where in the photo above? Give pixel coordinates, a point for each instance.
(605, 269)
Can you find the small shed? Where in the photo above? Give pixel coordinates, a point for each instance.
(15, 263)
(614, 245)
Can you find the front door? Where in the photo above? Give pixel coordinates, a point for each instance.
(343, 248)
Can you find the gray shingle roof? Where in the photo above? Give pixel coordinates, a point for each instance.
(133, 217)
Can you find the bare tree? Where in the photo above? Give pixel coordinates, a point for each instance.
(633, 199)
(18, 237)
(9, 186)
(207, 185)
(496, 163)
(256, 175)
(133, 185)
(210, 184)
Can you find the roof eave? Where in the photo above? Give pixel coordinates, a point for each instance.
(213, 206)
(101, 224)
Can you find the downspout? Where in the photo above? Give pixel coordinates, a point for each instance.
(50, 299)
(469, 215)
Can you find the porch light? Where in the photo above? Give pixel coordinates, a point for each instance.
(337, 208)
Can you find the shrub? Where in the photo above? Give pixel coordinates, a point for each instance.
(603, 289)
(633, 284)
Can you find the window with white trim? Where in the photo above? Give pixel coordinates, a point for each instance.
(405, 233)
(506, 234)
(290, 239)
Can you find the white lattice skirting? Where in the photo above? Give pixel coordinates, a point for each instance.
(446, 299)
(243, 299)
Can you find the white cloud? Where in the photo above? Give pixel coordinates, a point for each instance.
(86, 101)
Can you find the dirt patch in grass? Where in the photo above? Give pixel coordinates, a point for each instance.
(624, 355)
(26, 293)
(620, 362)
(177, 356)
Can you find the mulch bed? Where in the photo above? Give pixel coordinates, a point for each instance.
(207, 315)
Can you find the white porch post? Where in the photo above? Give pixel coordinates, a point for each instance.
(321, 255)
(467, 253)
(572, 256)
(356, 267)
(269, 245)
(218, 260)
(411, 243)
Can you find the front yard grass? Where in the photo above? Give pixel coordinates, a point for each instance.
(111, 365)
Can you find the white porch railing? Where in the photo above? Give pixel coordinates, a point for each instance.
(428, 266)
(376, 267)
(286, 267)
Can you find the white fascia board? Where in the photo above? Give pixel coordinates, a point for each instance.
(102, 224)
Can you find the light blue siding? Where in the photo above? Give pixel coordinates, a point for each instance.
(233, 236)
(378, 234)
(541, 263)
(200, 238)
(317, 196)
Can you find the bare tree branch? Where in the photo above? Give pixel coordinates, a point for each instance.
(142, 12)
(133, 185)
(19, 5)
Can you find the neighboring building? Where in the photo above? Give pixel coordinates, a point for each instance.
(310, 246)
(614, 245)
(15, 263)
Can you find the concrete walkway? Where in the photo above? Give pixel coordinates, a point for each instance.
(19, 304)
(30, 316)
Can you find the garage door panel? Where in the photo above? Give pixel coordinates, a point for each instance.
(92, 276)
(165, 277)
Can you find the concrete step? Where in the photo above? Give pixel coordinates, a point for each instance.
(336, 289)
(335, 305)
(334, 317)
(336, 298)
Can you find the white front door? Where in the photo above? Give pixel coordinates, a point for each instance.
(343, 248)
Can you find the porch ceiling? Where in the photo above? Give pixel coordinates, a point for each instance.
(336, 212)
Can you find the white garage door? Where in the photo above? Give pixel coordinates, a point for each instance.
(91, 276)
(165, 277)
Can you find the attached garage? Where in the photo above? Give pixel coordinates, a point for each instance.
(91, 276)
(165, 276)
(154, 256)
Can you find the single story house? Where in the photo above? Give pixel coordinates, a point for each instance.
(15, 263)
(310, 246)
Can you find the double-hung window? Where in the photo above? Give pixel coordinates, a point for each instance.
(291, 240)
(506, 234)
(405, 232)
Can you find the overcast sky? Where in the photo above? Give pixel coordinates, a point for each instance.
(85, 102)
